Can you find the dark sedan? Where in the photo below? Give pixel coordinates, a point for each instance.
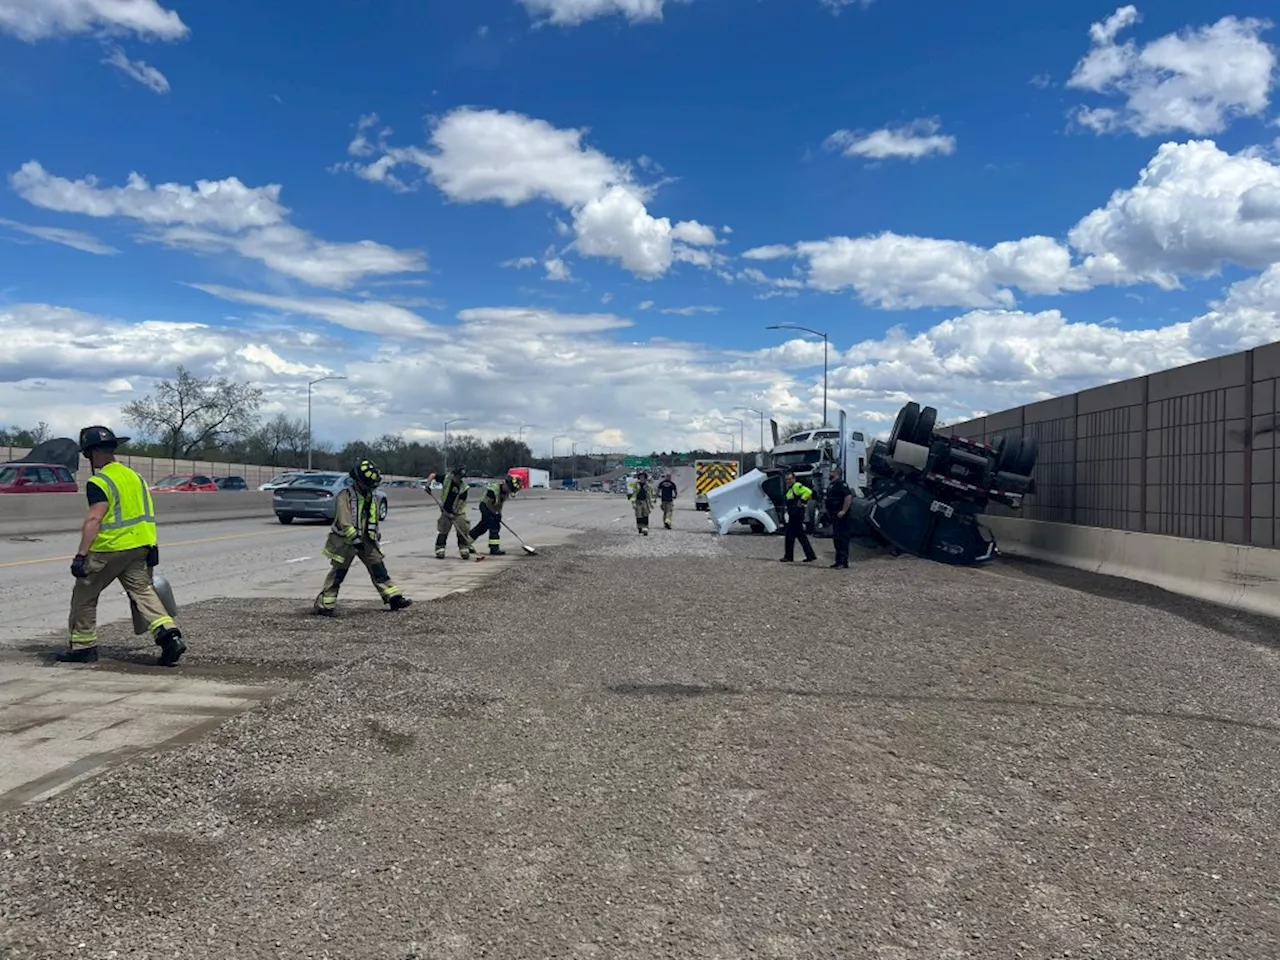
(313, 496)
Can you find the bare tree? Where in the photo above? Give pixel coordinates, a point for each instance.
(279, 438)
(193, 414)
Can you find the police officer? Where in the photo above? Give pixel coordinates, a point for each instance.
(797, 496)
(117, 542)
(839, 501)
(642, 501)
(453, 515)
(495, 495)
(667, 493)
(355, 534)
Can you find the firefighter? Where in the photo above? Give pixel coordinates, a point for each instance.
(453, 515)
(797, 496)
(667, 495)
(117, 542)
(495, 495)
(839, 501)
(355, 534)
(642, 500)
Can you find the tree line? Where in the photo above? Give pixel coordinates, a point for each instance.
(217, 419)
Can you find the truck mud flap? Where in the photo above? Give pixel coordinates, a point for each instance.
(911, 520)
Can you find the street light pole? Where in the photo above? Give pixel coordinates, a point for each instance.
(761, 412)
(558, 436)
(742, 441)
(446, 440)
(309, 386)
(523, 427)
(816, 333)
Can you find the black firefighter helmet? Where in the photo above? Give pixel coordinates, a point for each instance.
(94, 438)
(366, 474)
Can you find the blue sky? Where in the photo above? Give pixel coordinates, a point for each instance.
(948, 170)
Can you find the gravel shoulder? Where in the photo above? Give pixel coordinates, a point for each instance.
(675, 746)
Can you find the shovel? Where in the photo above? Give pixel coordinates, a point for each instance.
(165, 592)
(524, 546)
(527, 549)
(437, 503)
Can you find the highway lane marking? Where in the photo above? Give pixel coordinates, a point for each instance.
(176, 543)
(298, 560)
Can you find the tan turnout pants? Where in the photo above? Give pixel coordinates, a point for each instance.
(458, 523)
(341, 555)
(668, 510)
(130, 568)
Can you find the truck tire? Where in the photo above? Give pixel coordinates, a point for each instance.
(284, 518)
(382, 510)
(924, 426)
(1028, 456)
(904, 425)
(1008, 453)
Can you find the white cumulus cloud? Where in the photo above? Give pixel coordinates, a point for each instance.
(483, 155)
(1193, 208)
(33, 20)
(1196, 80)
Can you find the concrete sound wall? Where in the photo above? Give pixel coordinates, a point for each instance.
(1234, 575)
(1189, 452)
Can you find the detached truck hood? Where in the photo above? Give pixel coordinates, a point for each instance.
(743, 499)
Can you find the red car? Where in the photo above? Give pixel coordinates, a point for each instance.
(37, 478)
(184, 483)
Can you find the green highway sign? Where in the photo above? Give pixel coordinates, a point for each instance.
(637, 462)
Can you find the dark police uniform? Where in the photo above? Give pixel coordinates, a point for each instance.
(841, 527)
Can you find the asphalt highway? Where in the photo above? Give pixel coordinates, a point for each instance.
(236, 558)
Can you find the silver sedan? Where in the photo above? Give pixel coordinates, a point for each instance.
(314, 496)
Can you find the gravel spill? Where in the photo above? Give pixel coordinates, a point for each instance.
(675, 746)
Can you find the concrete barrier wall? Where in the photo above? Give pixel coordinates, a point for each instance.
(1234, 575)
(46, 513)
(153, 468)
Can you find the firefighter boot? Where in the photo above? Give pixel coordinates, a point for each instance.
(79, 655)
(172, 646)
(399, 602)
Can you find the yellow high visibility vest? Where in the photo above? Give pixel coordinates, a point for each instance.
(130, 520)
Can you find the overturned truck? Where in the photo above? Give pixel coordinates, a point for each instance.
(926, 489)
(922, 491)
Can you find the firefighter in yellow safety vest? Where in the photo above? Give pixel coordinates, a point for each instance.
(117, 542)
(355, 534)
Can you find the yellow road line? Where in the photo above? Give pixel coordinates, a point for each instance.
(176, 543)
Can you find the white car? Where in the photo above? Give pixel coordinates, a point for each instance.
(280, 479)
